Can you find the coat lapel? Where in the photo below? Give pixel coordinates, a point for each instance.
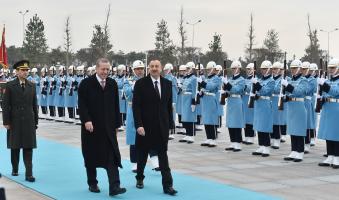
(150, 82)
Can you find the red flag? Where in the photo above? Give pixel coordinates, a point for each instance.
(3, 51)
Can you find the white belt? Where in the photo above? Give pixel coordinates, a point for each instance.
(308, 97)
(332, 100)
(297, 99)
(247, 93)
(236, 95)
(275, 95)
(129, 103)
(187, 93)
(264, 97)
(209, 93)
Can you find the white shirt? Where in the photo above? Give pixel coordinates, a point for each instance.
(158, 84)
(99, 79)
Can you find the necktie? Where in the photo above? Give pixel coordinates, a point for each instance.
(103, 83)
(23, 86)
(156, 88)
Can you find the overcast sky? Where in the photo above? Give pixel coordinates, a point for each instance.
(133, 23)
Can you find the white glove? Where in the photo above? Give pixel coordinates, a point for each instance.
(254, 80)
(222, 91)
(62, 79)
(321, 81)
(179, 85)
(132, 86)
(52, 79)
(193, 108)
(284, 82)
(199, 79)
(73, 79)
(252, 94)
(224, 80)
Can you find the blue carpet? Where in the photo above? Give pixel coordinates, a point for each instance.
(61, 175)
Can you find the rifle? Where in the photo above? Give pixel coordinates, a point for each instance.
(197, 96)
(224, 95)
(282, 89)
(253, 92)
(64, 82)
(319, 102)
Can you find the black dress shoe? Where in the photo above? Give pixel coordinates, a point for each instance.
(335, 166)
(297, 160)
(274, 147)
(325, 155)
(229, 149)
(157, 169)
(190, 142)
(324, 164)
(256, 153)
(94, 188)
(288, 158)
(140, 184)
(30, 179)
(116, 191)
(236, 150)
(212, 145)
(182, 140)
(170, 191)
(204, 144)
(265, 155)
(134, 171)
(15, 174)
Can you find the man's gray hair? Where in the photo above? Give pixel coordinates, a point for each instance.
(101, 60)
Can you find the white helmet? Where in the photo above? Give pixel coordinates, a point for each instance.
(305, 65)
(250, 66)
(89, 69)
(138, 64)
(44, 69)
(236, 64)
(121, 67)
(182, 68)
(81, 68)
(62, 68)
(168, 66)
(114, 69)
(266, 65)
(34, 70)
(218, 67)
(52, 68)
(211, 65)
(296, 64)
(313, 66)
(190, 65)
(334, 62)
(14, 71)
(277, 65)
(201, 66)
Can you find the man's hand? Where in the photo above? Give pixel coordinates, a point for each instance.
(7, 127)
(141, 131)
(89, 126)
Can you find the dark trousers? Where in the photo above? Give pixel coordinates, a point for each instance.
(190, 128)
(297, 143)
(179, 119)
(283, 129)
(2, 194)
(123, 118)
(51, 111)
(27, 156)
(71, 113)
(235, 134)
(332, 148)
(198, 120)
(61, 111)
(112, 173)
(167, 180)
(134, 155)
(249, 132)
(276, 132)
(220, 122)
(264, 139)
(312, 133)
(44, 109)
(211, 131)
(308, 136)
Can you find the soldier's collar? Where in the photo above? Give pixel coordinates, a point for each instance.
(189, 75)
(335, 78)
(308, 76)
(276, 77)
(266, 77)
(249, 77)
(294, 78)
(210, 76)
(120, 76)
(236, 76)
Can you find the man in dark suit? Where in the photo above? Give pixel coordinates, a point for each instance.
(20, 118)
(99, 114)
(152, 111)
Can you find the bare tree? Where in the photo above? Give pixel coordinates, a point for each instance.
(68, 41)
(106, 31)
(183, 37)
(251, 36)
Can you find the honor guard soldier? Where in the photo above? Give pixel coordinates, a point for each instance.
(209, 103)
(59, 97)
(71, 93)
(309, 104)
(221, 113)
(278, 115)
(80, 77)
(51, 92)
(34, 78)
(188, 106)
(120, 79)
(263, 117)
(329, 126)
(234, 111)
(128, 87)
(296, 115)
(20, 118)
(169, 76)
(43, 92)
(180, 80)
(248, 112)
(314, 73)
(200, 73)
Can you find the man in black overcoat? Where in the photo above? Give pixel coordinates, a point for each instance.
(98, 102)
(152, 111)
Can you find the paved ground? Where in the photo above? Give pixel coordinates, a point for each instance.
(269, 175)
